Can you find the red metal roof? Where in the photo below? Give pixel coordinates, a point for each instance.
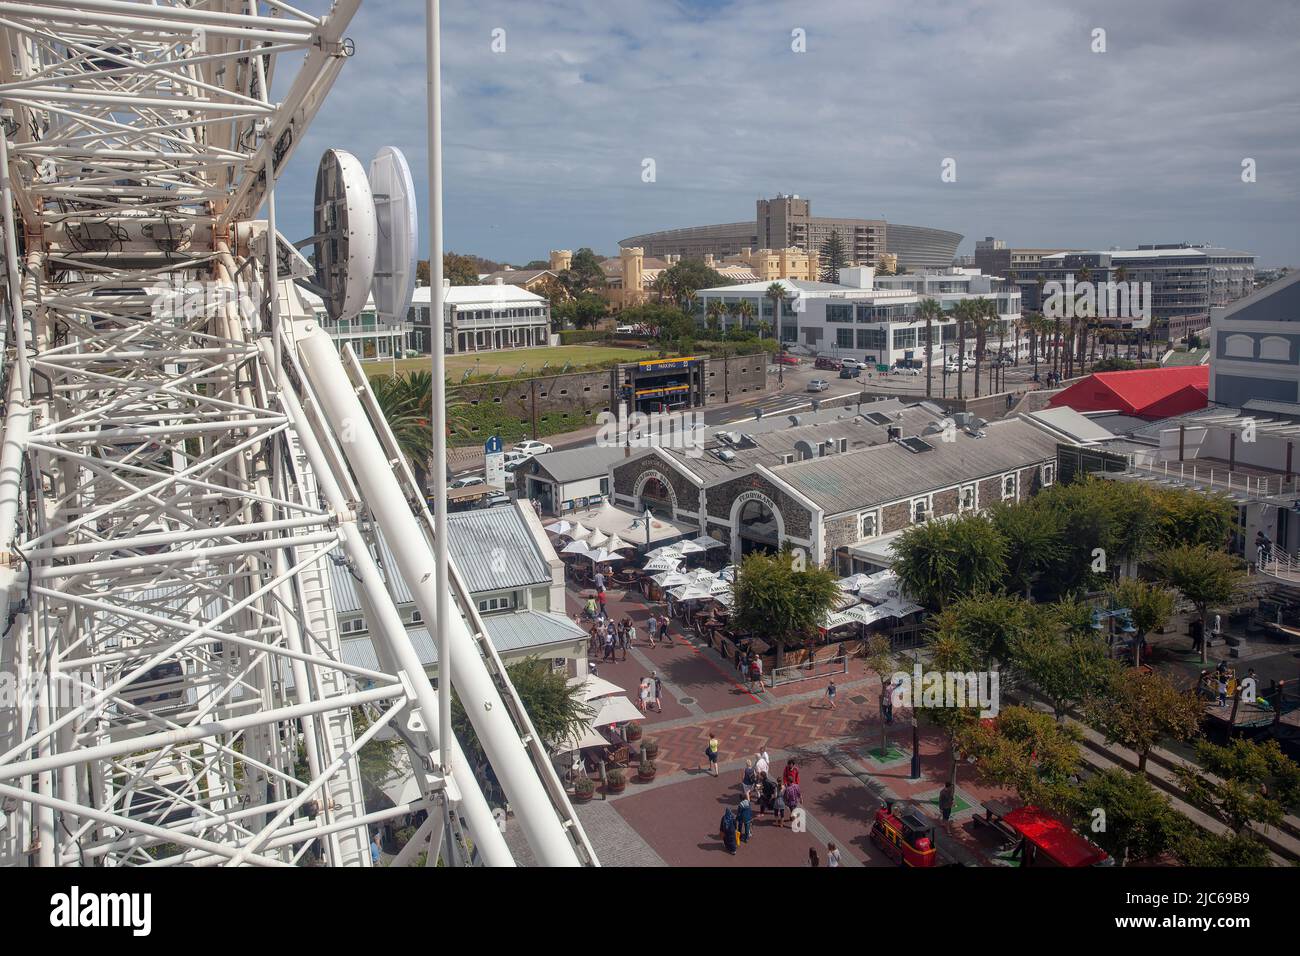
(1053, 837)
(1145, 393)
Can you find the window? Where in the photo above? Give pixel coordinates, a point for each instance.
(920, 509)
(355, 626)
(968, 497)
(869, 524)
(844, 338)
(839, 312)
(1009, 487)
(502, 602)
(417, 617)
(1049, 473)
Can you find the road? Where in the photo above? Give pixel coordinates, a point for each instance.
(788, 389)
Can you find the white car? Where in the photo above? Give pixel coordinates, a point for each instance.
(951, 365)
(514, 459)
(818, 385)
(468, 482)
(906, 370)
(532, 448)
(852, 363)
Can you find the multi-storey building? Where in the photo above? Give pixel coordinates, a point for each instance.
(1185, 281)
(867, 317)
(482, 318)
(787, 221)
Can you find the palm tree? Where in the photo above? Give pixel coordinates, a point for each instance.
(979, 317)
(715, 310)
(733, 310)
(745, 309)
(662, 286)
(689, 301)
(406, 402)
(929, 309)
(1121, 276)
(1002, 331)
(1083, 275)
(775, 292)
(962, 310)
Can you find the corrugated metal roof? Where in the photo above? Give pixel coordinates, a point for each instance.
(884, 473)
(517, 631)
(575, 464)
(494, 549)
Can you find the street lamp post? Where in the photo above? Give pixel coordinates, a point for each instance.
(916, 745)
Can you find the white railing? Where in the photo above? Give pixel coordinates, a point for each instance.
(1215, 477)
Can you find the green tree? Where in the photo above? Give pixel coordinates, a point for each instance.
(583, 275)
(879, 659)
(1028, 751)
(1197, 847)
(461, 270)
(992, 624)
(1150, 605)
(1140, 823)
(689, 276)
(776, 293)
(1065, 662)
(833, 258)
(931, 311)
(1242, 783)
(557, 711)
(1137, 711)
(950, 654)
(1193, 517)
(405, 401)
(1034, 542)
(1203, 577)
(776, 600)
(939, 561)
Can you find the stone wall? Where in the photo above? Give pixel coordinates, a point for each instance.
(736, 374)
(795, 517)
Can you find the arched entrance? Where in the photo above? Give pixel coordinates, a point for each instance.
(756, 525)
(654, 491)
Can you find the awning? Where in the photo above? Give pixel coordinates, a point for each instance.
(594, 687)
(630, 526)
(614, 710)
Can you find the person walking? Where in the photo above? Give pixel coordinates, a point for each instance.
(1223, 690)
(652, 630)
(631, 634)
(748, 779)
(756, 673)
(658, 691)
(711, 751)
(728, 829)
(791, 773)
(374, 848)
(623, 641)
(600, 580)
(665, 633)
(745, 816)
(778, 806)
(830, 693)
(600, 602)
(766, 793)
(793, 796)
(946, 797)
(812, 857)
(643, 694)
(832, 855)
(761, 764)
(609, 645)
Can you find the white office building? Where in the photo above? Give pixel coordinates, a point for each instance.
(483, 318)
(867, 317)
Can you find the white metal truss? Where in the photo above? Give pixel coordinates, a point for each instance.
(175, 479)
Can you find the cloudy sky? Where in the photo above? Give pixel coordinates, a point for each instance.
(1054, 144)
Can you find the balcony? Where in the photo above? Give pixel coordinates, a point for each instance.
(1212, 475)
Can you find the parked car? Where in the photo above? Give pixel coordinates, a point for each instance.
(951, 365)
(906, 370)
(829, 364)
(514, 459)
(468, 482)
(784, 358)
(532, 447)
(847, 372)
(495, 498)
(818, 385)
(852, 363)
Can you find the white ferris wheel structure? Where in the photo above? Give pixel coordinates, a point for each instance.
(181, 464)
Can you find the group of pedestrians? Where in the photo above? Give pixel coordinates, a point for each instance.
(651, 693)
(761, 792)
(611, 636)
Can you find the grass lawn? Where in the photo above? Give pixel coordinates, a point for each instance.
(509, 362)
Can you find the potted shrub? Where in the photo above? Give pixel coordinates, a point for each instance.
(615, 781)
(633, 731)
(583, 790)
(650, 747)
(645, 771)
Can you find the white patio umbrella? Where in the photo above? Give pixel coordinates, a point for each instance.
(575, 547)
(602, 556)
(559, 527)
(728, 573)
(718, 586)
(578, 531)
(695, 591)
(706, 542)
(853, 582)
(688, 547)
(615, 543)
(662, 564)
(597, 539)
(667, 551)
(672, 579)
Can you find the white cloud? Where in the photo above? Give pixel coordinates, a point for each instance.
(1054, 143)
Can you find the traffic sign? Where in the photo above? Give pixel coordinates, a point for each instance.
(493, 446)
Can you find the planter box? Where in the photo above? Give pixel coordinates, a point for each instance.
(584, 797)
(616, 788)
